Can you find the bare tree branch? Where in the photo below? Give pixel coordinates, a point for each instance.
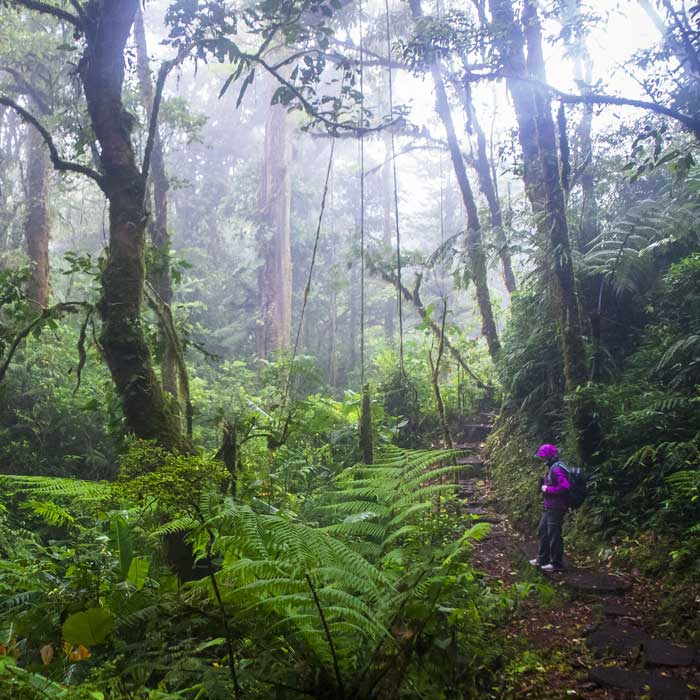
(691, 123)
(48, 9)
(165, 68)
(414, 298)
(24, 87)
(408, 149)
(592, 98)
(68, 306)
(58, 162)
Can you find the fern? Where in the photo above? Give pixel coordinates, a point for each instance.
(51, 512)
(58, 487)
(332, 593)
(683, 356)
(625, 253)
(383, 502)
(687, 484)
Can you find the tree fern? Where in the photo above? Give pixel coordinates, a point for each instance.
(51, 512)
(626, 252)
(682, 356)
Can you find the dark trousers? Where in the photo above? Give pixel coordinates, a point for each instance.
(549, 534)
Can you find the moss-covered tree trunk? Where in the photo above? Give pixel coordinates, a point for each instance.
(274, 238)
(37, 225)
(543, 185)
(477, 256)
(107, 28)
(159, 269)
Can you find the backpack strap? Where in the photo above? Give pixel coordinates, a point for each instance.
(563, 465)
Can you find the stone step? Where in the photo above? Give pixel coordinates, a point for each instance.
(622, 637)
(585, 581)
(664, 652)
(616, 637)
(470, 459)
(484, 516)
(469, 446)
(659, 687)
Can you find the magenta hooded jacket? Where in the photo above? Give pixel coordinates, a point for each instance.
(556, 497)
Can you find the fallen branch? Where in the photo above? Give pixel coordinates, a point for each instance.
(414, 299)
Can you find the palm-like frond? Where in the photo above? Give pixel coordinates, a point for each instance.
(625, 253)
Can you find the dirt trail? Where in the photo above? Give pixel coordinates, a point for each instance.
(590, 633)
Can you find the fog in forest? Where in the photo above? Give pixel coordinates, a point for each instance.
(349, 350)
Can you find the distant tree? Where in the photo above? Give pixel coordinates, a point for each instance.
(31, 76)
(475, 243)
(574, 34)
(485, 171)
(159, 267)
(274, 323)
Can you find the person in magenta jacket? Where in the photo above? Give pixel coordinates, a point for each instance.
(555, 492)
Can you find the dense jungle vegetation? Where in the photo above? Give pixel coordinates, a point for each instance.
(263, 264)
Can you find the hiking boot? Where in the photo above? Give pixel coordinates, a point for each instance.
(551, 569)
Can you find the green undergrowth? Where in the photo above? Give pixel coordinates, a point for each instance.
(643, 507)
(367, 591)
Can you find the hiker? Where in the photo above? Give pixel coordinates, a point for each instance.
(555, 488)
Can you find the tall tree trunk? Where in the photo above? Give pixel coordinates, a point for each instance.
(512, 47)
(107, 28)
(159, 271)
(387, 231)
(354, 294)
(274, 242)
(37, 225)
(477, 256)
(544, 189)
(575, 40)
(487, 186)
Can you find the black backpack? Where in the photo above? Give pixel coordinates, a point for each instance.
(579, 484)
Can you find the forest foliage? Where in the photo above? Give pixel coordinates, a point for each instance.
(244, 247)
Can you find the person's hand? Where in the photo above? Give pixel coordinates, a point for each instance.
(544, 489)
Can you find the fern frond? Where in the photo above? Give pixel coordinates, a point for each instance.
(51, 512)
(55, 486)
(177, 525)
